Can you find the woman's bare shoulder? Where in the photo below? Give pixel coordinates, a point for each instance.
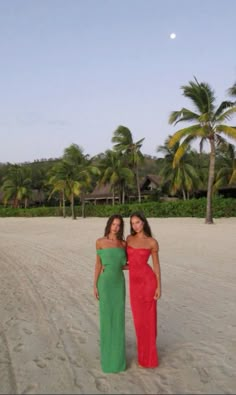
(99, 242)
(154, 243)
(128, 238)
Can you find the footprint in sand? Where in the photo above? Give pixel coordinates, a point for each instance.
(41, 364)
(164, 380)
(102, 385)
(30, 389)
(78, 385)
(18, 347)
(59, 345)
(76, 363)
(27, 331)
(61, 357)
(49, 357)
(204, 376)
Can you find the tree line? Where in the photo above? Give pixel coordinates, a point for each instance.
(182, 170)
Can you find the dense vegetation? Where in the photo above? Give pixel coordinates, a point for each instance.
(180, 208)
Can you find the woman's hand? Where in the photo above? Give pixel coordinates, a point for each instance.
(157, 294)
(96, 294)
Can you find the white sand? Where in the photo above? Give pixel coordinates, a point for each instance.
(49, 323)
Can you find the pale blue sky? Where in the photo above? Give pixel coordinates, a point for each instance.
(73, 70)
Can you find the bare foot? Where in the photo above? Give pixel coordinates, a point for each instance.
(140, 366)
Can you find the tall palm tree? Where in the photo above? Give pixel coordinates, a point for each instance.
(81, 174)
(115, 172)
(58, 179)
(125, 145)
(208, 126)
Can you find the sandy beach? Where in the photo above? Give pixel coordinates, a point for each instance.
(49, 322)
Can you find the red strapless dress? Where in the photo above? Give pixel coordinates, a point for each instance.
(142, 285)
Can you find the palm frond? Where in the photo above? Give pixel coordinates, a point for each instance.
(182, 149)
(183, 115)
(219, 183)
(232, 90)
(139, 142)
(230, 131)
(223, 172)
(73, 154)
(179, 154)
(219, 139)
(174, 116)
(233, 178)
(220, 115)
(204, 118)
(177, 136)
(201, 95)
(122, 136)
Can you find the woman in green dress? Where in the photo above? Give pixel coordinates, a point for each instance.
(109, 289)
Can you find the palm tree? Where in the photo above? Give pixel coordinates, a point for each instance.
(81, 174)
(208, 126)
(226, 175)
(58, 179)
(125, 145)
(184, 177)
(17, 185)
(115, 172)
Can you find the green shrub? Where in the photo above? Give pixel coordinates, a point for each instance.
(180, 208)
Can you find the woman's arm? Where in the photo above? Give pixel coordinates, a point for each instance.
(97, 271)
(156, 268)
(126, 266)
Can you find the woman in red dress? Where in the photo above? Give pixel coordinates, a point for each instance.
(145, 287)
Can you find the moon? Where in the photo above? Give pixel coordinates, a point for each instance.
(172, 36)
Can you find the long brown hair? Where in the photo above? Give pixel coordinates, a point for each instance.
(146, 226)
(120, 234)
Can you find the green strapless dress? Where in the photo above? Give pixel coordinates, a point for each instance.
(111, 288)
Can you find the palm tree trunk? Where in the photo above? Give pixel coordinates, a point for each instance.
(63, 204)
(209, 219)
(123, 194)
(72, 207)
(138, 186)
(184, 194)
(40, 196)
(16, 203)
(83, 209)
(82, 205)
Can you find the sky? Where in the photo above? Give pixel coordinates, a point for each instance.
(72, 71)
